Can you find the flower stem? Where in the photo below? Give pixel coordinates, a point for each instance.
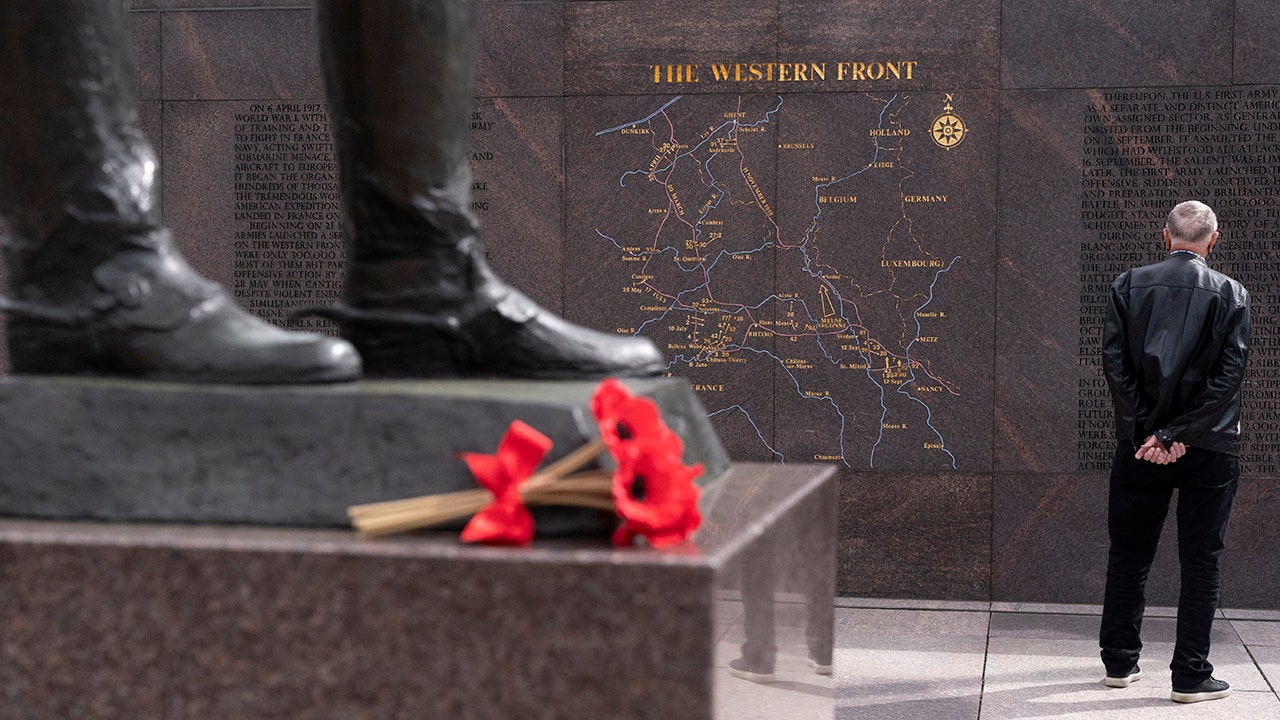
(551, 486)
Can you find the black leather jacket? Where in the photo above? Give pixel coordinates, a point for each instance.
(1175, 346)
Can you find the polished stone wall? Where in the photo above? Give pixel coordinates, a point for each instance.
(871, 233)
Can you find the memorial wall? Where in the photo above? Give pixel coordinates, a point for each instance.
(870, 233)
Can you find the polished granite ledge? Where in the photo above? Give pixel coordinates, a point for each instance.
(196, 621)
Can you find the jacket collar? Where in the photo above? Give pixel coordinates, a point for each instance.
(1188, 255)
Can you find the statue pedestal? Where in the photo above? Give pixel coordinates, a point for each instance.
(180, 621)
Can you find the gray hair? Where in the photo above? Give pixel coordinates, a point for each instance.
(1192, 222)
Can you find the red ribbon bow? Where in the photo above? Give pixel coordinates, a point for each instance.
(506, 521)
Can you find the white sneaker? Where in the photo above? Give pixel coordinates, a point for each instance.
(1210, 689)
(1123, 682)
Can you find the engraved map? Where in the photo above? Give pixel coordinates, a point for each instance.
(814, 265)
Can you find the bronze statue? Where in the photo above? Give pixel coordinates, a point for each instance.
(98, 287)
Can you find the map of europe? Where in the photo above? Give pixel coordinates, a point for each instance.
(811, 264)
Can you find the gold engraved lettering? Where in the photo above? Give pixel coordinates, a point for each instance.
(788, 71)
(674, 74)
(751, 182)
(900, 70)
(929, 263)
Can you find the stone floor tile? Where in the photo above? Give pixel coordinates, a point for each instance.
(1258, 632)
(876, 627)
(1044, 627)
(908, 682)
(909, 604)
(1046, 608)
(1272, 615)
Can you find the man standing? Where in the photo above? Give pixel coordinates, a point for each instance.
(1175, 347)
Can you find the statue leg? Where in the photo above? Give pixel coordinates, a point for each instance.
(97, 286)
(419, 298)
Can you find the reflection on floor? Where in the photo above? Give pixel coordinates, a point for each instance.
(796, 692)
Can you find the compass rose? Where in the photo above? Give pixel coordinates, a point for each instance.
(948, 129)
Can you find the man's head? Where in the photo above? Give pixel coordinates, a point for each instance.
(1191, 226)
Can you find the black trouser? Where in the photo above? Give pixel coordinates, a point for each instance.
(1139, 500)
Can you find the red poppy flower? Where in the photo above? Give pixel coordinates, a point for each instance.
(652, 487)
(655, 497)
(506, 521)
(625, 419)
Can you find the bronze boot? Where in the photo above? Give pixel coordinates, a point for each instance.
(97, 286)
(420, 299)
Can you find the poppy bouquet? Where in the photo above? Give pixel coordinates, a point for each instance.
(650, 488)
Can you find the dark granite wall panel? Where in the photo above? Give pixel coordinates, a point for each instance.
(237, 55)
(1257, 54)
(521, 50)
(144, 28)
(1036, 307)
(1250, 570)
(611, 48)
(915, 535)
(1093, 43)
(517, 150)
(954, 43)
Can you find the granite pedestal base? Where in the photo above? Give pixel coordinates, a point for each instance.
(288, 455)
(171, 621)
